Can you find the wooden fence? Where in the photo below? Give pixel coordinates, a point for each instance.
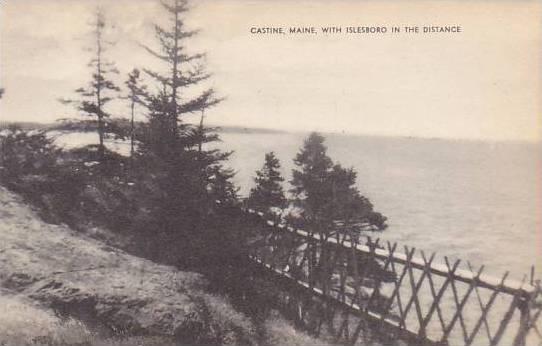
(401, 291)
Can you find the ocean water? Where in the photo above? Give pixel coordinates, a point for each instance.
(471, 200)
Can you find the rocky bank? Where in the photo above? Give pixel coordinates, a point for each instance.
(52, 273)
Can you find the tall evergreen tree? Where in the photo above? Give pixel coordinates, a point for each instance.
(184, 70)
(169, 136)
(190, 173)
(326, 192)
(98, 92)
(309, 182)
(268, 192)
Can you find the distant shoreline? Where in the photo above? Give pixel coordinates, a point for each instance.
(235, 129)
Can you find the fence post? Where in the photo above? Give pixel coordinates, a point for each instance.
(524, 307)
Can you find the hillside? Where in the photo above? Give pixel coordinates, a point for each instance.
(62, 288)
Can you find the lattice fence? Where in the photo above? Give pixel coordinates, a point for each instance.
(402, 290)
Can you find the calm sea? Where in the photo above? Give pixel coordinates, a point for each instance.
(474, 200)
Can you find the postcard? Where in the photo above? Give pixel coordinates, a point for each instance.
(251, 172)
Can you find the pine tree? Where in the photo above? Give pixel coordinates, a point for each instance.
(310, 186)
(169, 136)
(268, 192)
(184, 70)
(191, 177)
(326, 192)
(95, 96)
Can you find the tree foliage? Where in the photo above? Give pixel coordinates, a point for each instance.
(326, 193)
(268, 192)
(33, 166)
(23, 153)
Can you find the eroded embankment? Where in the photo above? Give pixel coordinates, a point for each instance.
(71, 275)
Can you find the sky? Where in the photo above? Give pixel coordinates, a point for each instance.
(482, 83)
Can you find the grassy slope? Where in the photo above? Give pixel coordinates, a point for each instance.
(111, 291)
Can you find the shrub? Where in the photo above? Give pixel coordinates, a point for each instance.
(25, 153)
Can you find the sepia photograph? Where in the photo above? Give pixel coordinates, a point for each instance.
(257, 172)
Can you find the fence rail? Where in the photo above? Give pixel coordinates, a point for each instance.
(409, 294)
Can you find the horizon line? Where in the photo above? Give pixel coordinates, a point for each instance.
(240, 128)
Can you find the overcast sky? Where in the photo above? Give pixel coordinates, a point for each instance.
(482, 83)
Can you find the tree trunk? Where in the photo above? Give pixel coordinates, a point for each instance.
(174, 103)
(101, 148)
(200, 129)
(132, 128)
